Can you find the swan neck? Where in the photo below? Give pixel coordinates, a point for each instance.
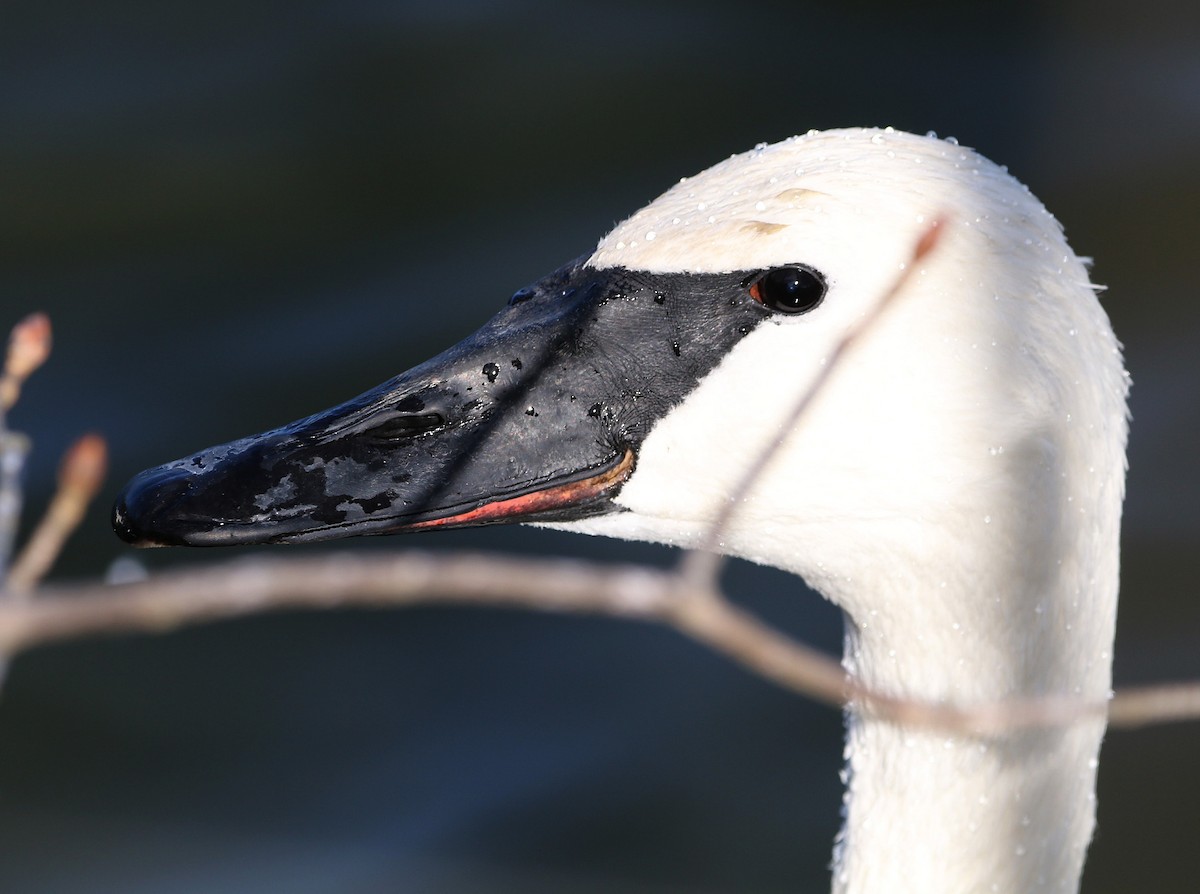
(933, 812)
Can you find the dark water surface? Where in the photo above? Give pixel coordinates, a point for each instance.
(240, 213)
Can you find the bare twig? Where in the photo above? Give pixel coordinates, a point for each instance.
(1150, 705)
(79, 477)
(28, 348)
(170, 601)
(174, 600)
(253, 586)
(13, 450)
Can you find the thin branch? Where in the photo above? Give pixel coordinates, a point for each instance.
(252, 586)
(1152, 705)
(345, 580)
(79, 478)
(28, 348)
(14, 448)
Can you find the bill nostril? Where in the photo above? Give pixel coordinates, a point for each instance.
(405, 427)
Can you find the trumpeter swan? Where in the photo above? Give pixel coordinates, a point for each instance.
(956, 486)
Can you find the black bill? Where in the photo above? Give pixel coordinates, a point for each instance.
(538, 416)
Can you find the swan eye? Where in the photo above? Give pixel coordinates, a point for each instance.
(789, 290)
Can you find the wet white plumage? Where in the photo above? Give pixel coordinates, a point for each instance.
(956, 488)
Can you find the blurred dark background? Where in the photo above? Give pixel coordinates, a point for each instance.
(238, 213)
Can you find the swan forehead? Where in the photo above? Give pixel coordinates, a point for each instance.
(789, 201)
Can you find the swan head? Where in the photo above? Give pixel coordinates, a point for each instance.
(981, 417)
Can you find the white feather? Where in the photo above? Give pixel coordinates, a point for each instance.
(956, 487)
